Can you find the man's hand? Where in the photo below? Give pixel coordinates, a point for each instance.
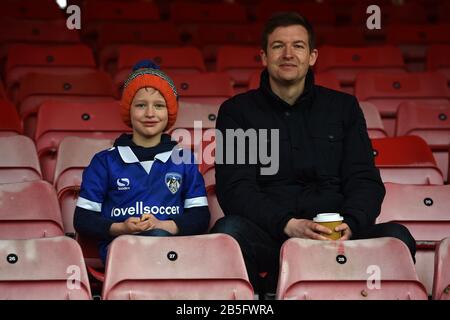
(303, 228)
(346, 232)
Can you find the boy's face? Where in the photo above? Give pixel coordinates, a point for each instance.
(288, 55)
(148, 113)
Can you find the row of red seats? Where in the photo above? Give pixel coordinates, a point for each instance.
(119, 57)
(30, 210)
(406, 160)
(50, 118)
(239, 61)
(192, 12)
(411, 38)
(170, 269)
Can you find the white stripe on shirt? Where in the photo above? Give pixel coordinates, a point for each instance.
(89, 205)
(195, 202)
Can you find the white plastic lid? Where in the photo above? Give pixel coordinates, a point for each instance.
(328, 217)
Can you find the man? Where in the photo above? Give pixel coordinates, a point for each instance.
(325, 157)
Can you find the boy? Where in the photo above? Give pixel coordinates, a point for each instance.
(135, 187)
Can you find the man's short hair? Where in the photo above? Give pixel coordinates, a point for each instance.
(286, 19)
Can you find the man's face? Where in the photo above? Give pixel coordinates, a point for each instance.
(288, 55)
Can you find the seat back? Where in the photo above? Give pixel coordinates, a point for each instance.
(214, 206)
(38, 88)
(10, 123)
(49, 269)
(19, 161)
(74, 154)
(346, 62)
(423, 209)
(174, 60)
(406, 160)
(374, 123)
(358, 270)
(192, 122)
(387, 91)
(59, 120)
(60, 59)
(206, 88)
(437, 59)
(239, 62)
(29, 210)
(192, 267)
(430, 122)
(441, 283)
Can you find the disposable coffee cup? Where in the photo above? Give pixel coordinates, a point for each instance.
(331, 221)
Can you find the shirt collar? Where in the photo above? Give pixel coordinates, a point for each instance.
(128, 155)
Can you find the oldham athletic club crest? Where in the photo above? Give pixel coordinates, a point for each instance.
(173, 182)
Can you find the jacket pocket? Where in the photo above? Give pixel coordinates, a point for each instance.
(328, 144)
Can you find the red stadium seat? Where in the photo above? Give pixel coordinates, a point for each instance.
(387, 91)
(374, 124)
(74, 154)
(437, 59)
(348, 270)
(57, 120)
(171, 60)
(184, 129)
(29, 210)
(51, 32)
(37, 32)
(441, 286)
(62, 59)
(414, 40)
(96, 13)
(196, 13)
(424, 210)
(432, 123)
(2, 91)
(43, 269)
(101, 10)
(208, 171)
(406, 160)
(113, 35)
(328, 80)
(206, 88)
(214, 206)
(408, 13)
(94, 264)
(193, 267)
(254, 80)
(29, 9)
(317, 13)
(38, 88)
(19, 161)
(10, 123)
(239, 62)
(211, 37)
(347, 62)
(347, 36)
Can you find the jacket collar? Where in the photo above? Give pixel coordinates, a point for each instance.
(305, 97)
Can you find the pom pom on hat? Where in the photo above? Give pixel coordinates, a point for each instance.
(147, 74)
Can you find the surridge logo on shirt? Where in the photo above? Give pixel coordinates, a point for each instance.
(123, 184)
(173, 181)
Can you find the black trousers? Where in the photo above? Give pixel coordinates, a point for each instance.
(262, 253)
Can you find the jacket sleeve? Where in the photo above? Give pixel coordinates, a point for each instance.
(237, 188)
(362, 186)
(195, 217)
